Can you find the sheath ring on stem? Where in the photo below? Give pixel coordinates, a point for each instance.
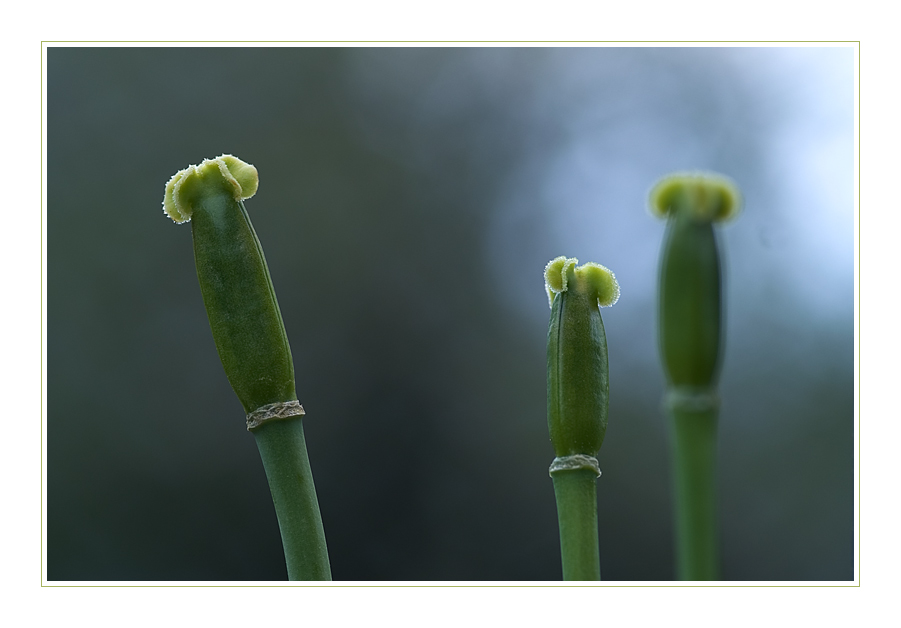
(571, 463)
(273, 412)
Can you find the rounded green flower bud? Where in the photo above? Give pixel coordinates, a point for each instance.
(690, 282)
(237, 291)
(578, 381)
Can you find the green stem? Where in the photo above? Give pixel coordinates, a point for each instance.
(694, 432)
(577, 515)
(284, 453)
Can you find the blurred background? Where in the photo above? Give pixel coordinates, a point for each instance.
(409, 200)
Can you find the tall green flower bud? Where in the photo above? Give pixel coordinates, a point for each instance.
(250, 337)
(690, 334)
(577, 399)
(234, 279)
(578, 383)
(690, 301)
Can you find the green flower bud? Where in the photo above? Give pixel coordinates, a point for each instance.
(234, 279)
(250, 337)
(690, 277)
(577, 377)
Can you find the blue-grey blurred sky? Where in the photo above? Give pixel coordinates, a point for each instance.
(409, 200)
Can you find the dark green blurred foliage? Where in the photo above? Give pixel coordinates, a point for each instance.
(409, 200)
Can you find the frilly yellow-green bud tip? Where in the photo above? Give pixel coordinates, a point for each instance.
(556, 276)
(597, 279)
(709, 196)
(601, 281)
(240, 177)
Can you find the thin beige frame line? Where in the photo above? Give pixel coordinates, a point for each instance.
(859, 438)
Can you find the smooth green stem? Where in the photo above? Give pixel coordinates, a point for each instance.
(577, 515)
(695, 485)
(284, 453)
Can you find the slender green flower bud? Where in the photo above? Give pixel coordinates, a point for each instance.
(690, 282)
(690, 324)
(253, 346)
(577, 395)
(577, 354)
(234, 279)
